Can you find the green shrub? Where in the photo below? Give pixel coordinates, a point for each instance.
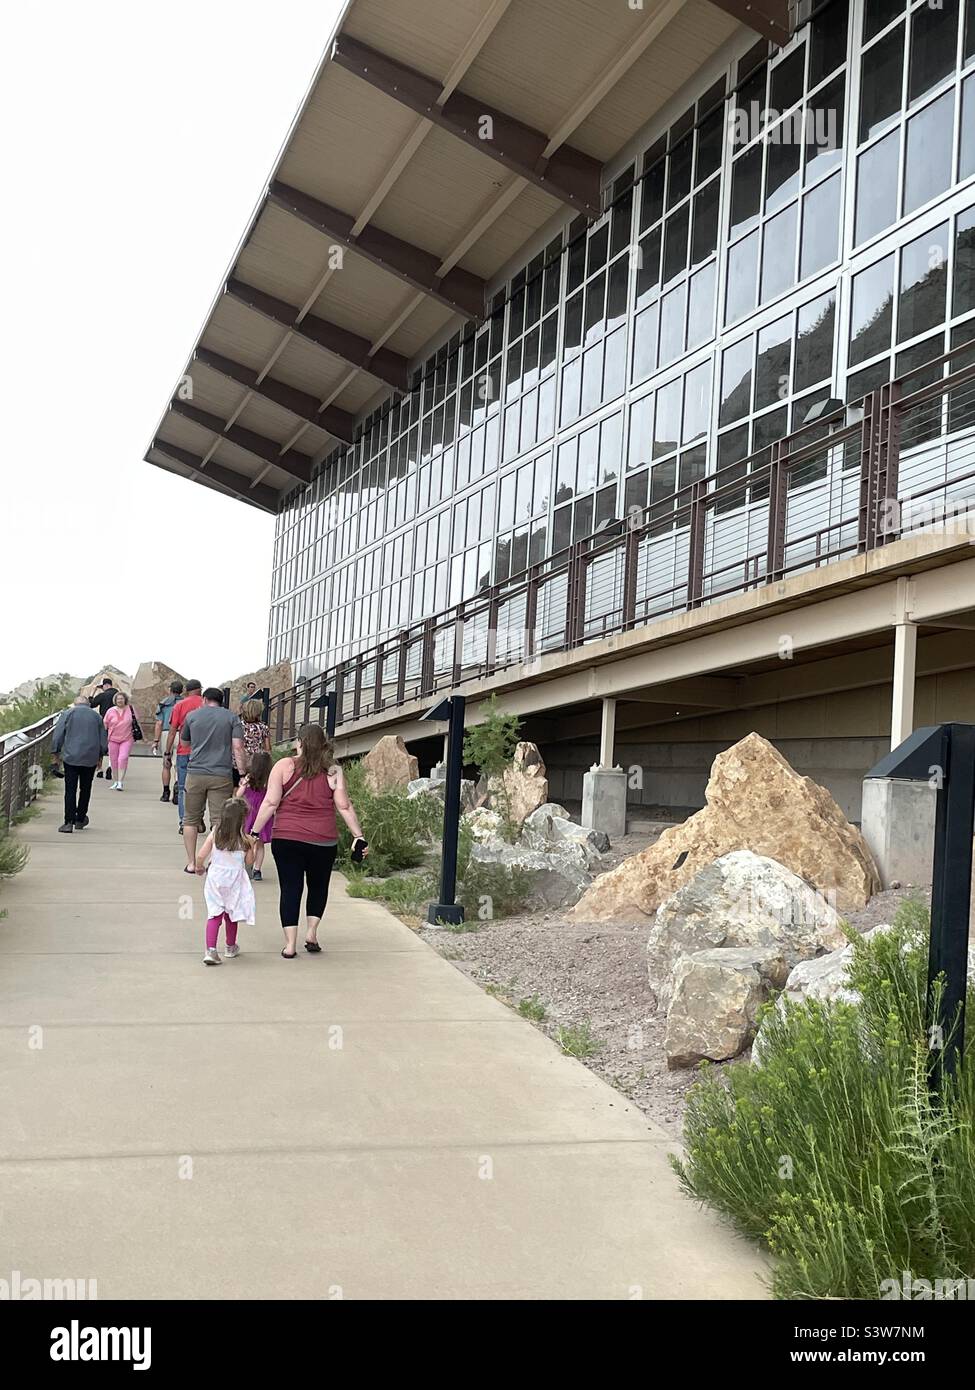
(577, 1041)
(532, 1008)
(47, 699)
(13, 856)
(489, 891)
(400, 830)
(834, 1152)
(490, 746)
(406, 893)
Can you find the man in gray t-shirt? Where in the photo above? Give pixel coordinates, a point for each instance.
(216, 741)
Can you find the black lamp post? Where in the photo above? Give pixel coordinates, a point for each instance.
(944, 755)
(447, 912)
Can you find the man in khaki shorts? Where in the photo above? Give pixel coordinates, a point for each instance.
(215, 737)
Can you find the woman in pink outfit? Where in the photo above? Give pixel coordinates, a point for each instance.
(118, 722)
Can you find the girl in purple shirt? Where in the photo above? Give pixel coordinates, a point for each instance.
(253, 789)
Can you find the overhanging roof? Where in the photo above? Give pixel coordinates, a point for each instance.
(436, 139)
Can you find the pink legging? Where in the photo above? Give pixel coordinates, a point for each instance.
(118, 754)
(213, 930)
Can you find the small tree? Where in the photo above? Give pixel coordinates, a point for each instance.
(490, 746)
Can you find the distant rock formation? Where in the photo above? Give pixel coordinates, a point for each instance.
(118, 678)
(28, 689)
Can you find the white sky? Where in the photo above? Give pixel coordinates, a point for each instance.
(137, 139)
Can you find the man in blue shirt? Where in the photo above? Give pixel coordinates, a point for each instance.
(164, 715)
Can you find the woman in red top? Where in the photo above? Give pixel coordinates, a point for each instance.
(303, 794)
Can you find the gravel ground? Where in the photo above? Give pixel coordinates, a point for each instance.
(595, 977)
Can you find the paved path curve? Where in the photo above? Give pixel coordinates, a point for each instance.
(362, 1124)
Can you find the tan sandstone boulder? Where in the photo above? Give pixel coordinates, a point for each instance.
(525, 783)
(755, 801)
(150, 684)
(118, 678)
(389, 766)
(717, 998)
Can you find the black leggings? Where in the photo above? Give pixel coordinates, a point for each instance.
(297, 862)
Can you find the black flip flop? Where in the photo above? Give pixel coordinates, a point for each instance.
(292, 955)
(312, 946)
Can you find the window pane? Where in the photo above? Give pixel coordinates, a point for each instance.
(929, 141)
(963, 295)
(736, 382)
(827, 41)
(732, 449)
(924, 283)
(746, 183)
(710, 135)
(781, 166)
(673, 318)
(635, 494)
(697, 403)
(588, 459)
(667, 419)
(598, 248)
(877, 187)
(565, 474)
(779, 254)
(814, 341)
(595, 307)
(679, 162)
(786, 80)
(573, 322)
(675, 244)
(652, 199)
(934, 31)
(648, 265)
(880, 82)
(878, 14)
(742, 269)
(619, 275)
(610, 448)
(705, 234)
(773, 362)
(641, 428)
(870, 316)
(645, 344)
(576, 268)
(820, 226)
(966, 163)
(622, 222)
(700, 308)
(824, 130)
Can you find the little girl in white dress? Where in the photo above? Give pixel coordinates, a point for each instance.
(228, 890)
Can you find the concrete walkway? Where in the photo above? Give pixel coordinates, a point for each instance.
(362, 1124)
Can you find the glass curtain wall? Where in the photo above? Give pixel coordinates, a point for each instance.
(803, 229)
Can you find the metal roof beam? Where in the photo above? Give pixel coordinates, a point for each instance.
(383, 364)
(339, 423)
(770, 18)
(258, 495)
(566, 173)
(298, 465)
(458, 290)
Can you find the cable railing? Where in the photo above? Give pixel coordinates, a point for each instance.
(24, 755)
(899, 461)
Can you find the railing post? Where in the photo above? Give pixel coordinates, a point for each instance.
(869, 444)
(306, 719)
(426, 659)
(279, 718)
(458, 665)
(377, 685)
(293, 730)
(531, 613)
(403, 657)
(340, 692)
(631, 560)
(888, 464)
(695, 543)
(491, 655)
(777, 499)
(576, 606)
(357, 688)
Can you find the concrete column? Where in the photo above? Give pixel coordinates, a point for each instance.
(607, 734)
(897, 821)
(905, 663)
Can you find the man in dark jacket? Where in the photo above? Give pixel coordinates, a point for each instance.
(81, 740)
(103, 702)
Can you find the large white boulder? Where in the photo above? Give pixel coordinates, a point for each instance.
(716, 999)
(550, 825)
(555, 877)
(742, 899)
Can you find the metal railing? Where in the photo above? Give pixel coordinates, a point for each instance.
(900, 460)
(24, 756)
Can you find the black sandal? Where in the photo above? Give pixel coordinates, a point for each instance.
(312, 946)
(289, 956)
